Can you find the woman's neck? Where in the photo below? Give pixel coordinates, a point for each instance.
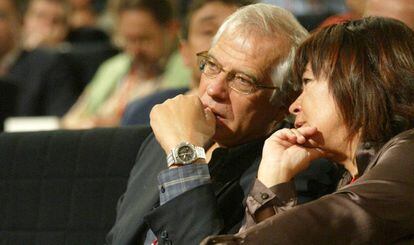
(350, 161)
(351, 167)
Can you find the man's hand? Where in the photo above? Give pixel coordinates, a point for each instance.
(286, 153)
(182, 119)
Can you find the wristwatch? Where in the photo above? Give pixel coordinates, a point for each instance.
(185, 153)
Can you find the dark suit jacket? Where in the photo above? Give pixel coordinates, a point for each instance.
(213, 208)
(47, 84)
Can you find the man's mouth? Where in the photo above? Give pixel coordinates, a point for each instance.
(217, 114)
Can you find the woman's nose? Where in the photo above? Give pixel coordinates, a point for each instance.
(295, 107)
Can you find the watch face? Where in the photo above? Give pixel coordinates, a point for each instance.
(185, 153)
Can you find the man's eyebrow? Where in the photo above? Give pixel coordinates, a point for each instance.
(237, 71)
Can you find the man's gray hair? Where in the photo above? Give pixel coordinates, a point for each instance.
(272, 22)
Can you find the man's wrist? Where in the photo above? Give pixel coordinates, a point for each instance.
(198, 161)
(185, 153)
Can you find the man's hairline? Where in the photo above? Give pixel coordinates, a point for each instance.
(278, 41)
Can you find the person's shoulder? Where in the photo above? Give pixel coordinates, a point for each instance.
(137, 112)
(404, 138)
(112, 69)
(406, 135)
(159, 97)
(398, 150)
(121, 59)
(38, 57)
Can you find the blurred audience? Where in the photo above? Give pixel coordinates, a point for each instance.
(45, 23)
(201, 24)
(146, 34)
(45, 81)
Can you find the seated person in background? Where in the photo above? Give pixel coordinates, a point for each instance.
(202, 22)
(356, 108)
(402, 10)
(146, 31)
(47, 84)
(191, 176)
(45, 24)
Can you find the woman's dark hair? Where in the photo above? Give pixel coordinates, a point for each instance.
(369, 65)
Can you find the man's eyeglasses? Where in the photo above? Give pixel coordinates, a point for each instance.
(239, 82)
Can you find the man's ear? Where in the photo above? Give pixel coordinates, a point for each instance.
(185, 52)
(172, 28)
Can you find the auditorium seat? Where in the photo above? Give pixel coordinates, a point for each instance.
(61, 187)
(8, 99)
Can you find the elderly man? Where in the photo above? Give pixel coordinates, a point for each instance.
(192, 175)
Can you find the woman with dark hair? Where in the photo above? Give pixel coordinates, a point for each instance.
(356, 108)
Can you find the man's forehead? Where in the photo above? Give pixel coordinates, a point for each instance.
(256, 52)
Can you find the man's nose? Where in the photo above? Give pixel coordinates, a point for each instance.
(217, 87)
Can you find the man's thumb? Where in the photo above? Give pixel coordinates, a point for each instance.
(211, 119)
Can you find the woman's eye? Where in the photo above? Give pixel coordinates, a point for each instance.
(306, 80)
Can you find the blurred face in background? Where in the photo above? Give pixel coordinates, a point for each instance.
(9, 27)
(45, 23)
(402, 10)
(80, 3)
(203, 25)
(142, 37)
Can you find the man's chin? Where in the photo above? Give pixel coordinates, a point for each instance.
(224, 136)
